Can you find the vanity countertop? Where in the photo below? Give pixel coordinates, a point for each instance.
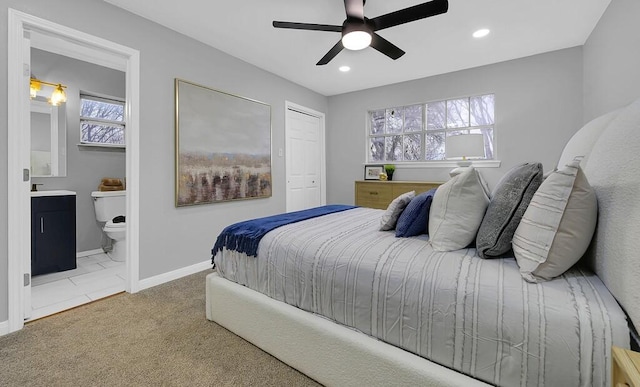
(57, 192)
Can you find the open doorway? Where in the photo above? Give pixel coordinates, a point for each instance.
(74, 44)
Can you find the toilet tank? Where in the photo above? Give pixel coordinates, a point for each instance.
(109, 204)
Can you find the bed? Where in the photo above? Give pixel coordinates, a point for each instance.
(347, 304)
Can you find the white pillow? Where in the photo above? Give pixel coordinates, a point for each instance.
(457, 211)
(558, 225)
(395, 208)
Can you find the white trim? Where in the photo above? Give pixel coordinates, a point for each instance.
(68, 47)
(442, 164)
(87, 253)
(91, 49)
(111, 146)
(4, 327)
(288, 105)
(174, 275)
(18, 202)
(132, 173)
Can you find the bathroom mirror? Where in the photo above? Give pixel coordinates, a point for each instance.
(48, 139)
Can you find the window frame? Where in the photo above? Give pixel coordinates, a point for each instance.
(423, 163)
(84, 119)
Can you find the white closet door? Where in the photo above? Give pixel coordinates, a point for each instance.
(304, 160)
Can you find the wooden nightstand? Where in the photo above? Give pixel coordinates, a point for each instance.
(378, 194)
(626, 367)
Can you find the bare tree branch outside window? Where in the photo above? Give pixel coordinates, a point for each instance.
(101, 121)
(418, 133)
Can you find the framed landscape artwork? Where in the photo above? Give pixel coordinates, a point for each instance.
(372, 172)
(223, 146)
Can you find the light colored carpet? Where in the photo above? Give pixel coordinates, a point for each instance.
(157, 337)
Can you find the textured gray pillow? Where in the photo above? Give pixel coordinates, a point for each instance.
(390, 217)
(556, 229)
(509, 201)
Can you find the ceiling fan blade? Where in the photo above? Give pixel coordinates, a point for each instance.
(410, 14)
(386, 47)
(307, 26)
(335, 50)
(354, 8)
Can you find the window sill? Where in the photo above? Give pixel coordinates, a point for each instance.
(103, 146)
(442, 164)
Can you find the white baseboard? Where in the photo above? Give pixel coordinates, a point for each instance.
(173, 275)
(4, 328)
(87, 253)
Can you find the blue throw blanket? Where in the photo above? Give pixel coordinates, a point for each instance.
(245, 236)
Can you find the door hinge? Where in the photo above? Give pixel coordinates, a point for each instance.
(27, 279)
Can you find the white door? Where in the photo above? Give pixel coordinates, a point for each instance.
(304, 159)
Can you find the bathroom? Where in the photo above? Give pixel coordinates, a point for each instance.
(81, 168)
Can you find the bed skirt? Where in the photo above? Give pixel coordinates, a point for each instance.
(332, 354)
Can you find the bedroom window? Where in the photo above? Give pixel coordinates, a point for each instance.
(101, 120)
(419, 133)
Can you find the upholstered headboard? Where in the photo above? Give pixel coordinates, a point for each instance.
(612, 166)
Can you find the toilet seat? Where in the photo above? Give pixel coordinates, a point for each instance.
(115, 226)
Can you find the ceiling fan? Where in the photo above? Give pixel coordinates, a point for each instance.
(358, 31)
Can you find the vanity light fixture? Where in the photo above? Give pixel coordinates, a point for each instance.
(58, 95)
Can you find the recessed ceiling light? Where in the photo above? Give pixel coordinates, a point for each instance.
(481, 33)
(344, 69)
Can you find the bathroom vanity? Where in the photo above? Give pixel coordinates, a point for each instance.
(53, 231)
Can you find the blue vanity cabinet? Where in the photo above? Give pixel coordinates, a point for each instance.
(53, 234)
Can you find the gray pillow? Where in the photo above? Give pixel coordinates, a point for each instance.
(391, 215)
(557, 227)
(509, 201)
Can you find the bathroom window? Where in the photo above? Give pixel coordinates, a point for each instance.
(101, 120)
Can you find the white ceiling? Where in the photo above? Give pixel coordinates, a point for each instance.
(435, 45)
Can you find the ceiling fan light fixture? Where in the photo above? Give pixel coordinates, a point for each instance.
(356, 40)
(356, 35)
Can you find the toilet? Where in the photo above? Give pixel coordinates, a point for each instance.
(108, 205)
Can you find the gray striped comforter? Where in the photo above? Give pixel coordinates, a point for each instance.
(474, 315)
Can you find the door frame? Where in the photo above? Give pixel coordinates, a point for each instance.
(92, 49)
(290, 106)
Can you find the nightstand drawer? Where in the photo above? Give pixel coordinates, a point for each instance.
(375, 196)
(378, 194)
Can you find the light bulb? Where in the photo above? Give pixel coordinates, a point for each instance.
(356, 40)
(481, 33)
(34, 87)
(58, 96)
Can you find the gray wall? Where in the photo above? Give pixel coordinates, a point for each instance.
(538, 107)
(85, 166)
(170, 237)
(612, 60)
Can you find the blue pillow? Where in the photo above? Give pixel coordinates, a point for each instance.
(415, 218)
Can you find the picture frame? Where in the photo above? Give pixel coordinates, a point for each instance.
(223, 146)
(372, 172)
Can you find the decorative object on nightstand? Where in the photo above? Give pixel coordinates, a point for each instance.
(626, 367)
(372, 172)
(463, 147)
(389, 169)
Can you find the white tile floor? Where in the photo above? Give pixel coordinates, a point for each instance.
(96, 276)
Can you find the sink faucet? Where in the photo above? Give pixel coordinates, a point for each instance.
(34, 187)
